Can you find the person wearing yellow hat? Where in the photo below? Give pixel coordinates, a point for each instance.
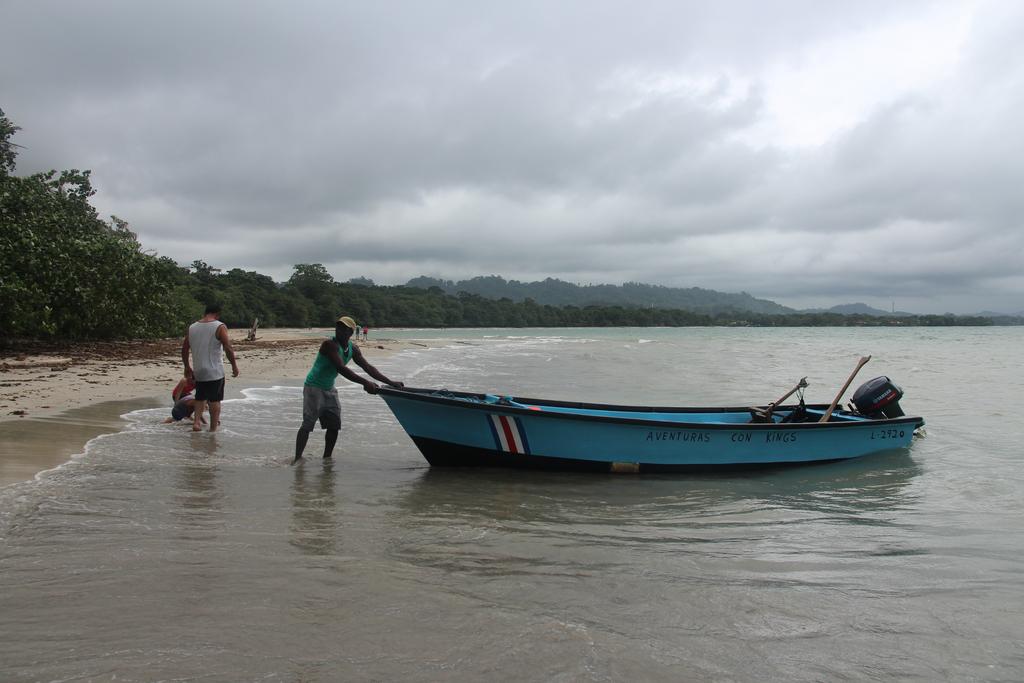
(320, 397)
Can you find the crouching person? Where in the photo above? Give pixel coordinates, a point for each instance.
(184, 401)
(320, 397)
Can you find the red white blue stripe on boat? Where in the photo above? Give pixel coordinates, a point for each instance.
(509, 435)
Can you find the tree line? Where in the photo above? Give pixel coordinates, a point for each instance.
(65, 273)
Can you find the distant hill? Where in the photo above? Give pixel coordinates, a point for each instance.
(856, 309)
(995, 314)
(555, 292)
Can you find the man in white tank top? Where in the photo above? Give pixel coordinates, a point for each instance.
(207, 339)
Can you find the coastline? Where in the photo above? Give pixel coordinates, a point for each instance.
(53, 403)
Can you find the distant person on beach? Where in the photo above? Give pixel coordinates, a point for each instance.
(366, 332)
(207, 339)
(320, 397)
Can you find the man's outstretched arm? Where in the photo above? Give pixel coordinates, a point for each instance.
(229, 351)
(330, 349)
(361, 361)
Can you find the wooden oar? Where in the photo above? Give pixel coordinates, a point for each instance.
(802, 384)
(766, 412)
(839, 396)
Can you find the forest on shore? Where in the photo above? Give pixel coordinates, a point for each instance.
(67, 274)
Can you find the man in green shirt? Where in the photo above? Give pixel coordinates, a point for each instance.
(320, 398)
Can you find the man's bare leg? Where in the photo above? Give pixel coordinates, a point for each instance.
(197, 415)
(300, 444)
(214, 415)
(330, 438)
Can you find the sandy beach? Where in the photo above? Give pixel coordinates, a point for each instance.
(53, 401)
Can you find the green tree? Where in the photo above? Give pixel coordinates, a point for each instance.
(7, 147)
(316, 285)
(64, 272)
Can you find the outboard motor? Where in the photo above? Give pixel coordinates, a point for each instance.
(878, 398)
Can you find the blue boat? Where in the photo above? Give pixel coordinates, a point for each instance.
(458, 429)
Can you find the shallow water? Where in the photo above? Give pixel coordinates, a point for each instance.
(166, 555)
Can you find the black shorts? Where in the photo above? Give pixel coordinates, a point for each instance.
(212, 391)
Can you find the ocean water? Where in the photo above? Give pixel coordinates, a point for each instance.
(159, 554)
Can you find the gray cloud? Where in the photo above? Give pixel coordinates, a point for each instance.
(590, 141)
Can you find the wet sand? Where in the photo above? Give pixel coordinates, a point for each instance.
(34, 444)
(53, 401)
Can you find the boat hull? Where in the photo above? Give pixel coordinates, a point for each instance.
(465, 430)
(447, 454)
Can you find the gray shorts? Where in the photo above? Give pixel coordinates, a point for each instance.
(320, 404)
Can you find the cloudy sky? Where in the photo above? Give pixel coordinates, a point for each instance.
(808, 152)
